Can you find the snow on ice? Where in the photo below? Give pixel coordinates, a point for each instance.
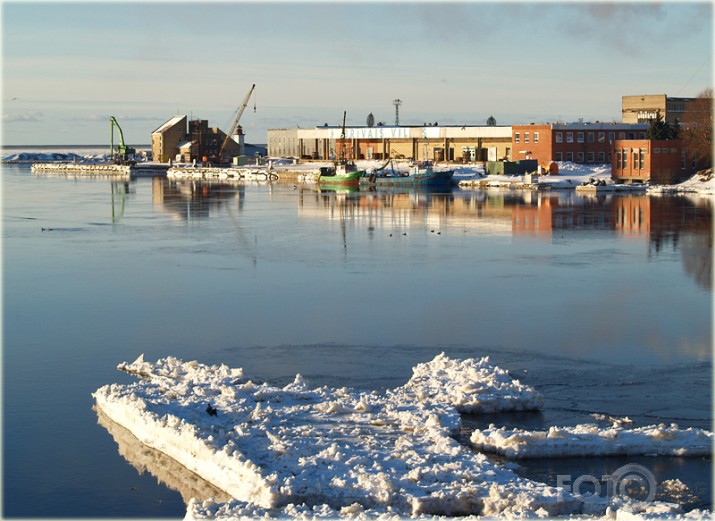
(472, 386)
(297, 452)
(590, 440)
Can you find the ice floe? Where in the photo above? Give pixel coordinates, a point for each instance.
(324, 453)
(472, 386)
(590, 440)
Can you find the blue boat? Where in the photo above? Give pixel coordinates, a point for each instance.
(420, 174)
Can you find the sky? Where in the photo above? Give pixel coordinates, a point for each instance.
(68, 67)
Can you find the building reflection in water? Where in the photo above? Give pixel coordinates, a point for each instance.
(189, 200)
(683, 222)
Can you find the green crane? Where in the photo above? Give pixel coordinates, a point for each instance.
(124, 154)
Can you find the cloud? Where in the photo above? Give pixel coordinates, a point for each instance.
(27, 117)
(631, 28)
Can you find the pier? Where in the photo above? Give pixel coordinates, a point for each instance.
(138, 170)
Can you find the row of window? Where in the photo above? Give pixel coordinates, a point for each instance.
(590, 157)
(592, 137)
(582, 137)
(517, 137)
(638, 158)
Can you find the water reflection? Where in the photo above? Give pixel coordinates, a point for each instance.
(684, 223)
(189, 200)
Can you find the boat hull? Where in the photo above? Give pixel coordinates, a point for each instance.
(431, 179)
(339, 178)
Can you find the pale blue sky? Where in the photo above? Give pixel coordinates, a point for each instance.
(72, 65)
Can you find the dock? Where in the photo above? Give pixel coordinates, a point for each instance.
(102, 169)
(235, 174)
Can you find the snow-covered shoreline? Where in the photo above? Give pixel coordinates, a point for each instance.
(469, 176)
(325, 452)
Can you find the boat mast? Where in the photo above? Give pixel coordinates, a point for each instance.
(342, 139)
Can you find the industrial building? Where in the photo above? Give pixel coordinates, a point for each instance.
(645, 107)
(185, 141)
(428, 142)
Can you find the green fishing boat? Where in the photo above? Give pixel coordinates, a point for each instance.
(344, 172)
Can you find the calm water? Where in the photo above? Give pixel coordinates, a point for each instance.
(604, 304)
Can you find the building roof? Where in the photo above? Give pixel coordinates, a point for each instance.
(600, 126)
(173, 121)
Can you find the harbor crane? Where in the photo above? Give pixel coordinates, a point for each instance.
(124, 154)
(239, 113)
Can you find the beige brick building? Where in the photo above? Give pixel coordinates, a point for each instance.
(642, 108)
(166, 139)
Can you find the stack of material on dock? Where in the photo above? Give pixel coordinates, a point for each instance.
(221, 173)
(82, 168)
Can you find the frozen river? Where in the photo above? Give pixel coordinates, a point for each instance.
(603, 304)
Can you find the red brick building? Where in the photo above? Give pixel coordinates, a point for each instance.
(655, 161)
(573, 142)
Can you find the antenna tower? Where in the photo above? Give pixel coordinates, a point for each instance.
(397, 103)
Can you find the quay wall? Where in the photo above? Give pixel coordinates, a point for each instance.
(82, 168)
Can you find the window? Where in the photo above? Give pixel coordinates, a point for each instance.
(601, 137)
(642, 135)
(618, 159)
(569, 137)
(621, 135)
(559, 137)
(579, 137)
(591, 137)
(526, 137)
(558, 156)
(569, 157)
(591, 157)
(656, 150)
(624, 164)
(601, 157)
(642, 158)
(536, 137)
(517, 137)
(580, 157)
(635, 159)
(611, 136)
(631, 135)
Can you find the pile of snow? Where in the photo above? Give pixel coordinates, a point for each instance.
(590, 440)
(270, 447)
(27, 157)
(570, 175)
(471, 386)
(702, 183)
(297, 452)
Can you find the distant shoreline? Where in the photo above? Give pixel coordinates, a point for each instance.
(8, 147)
(75, 147)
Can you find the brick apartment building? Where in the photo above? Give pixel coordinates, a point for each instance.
(574, 142)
